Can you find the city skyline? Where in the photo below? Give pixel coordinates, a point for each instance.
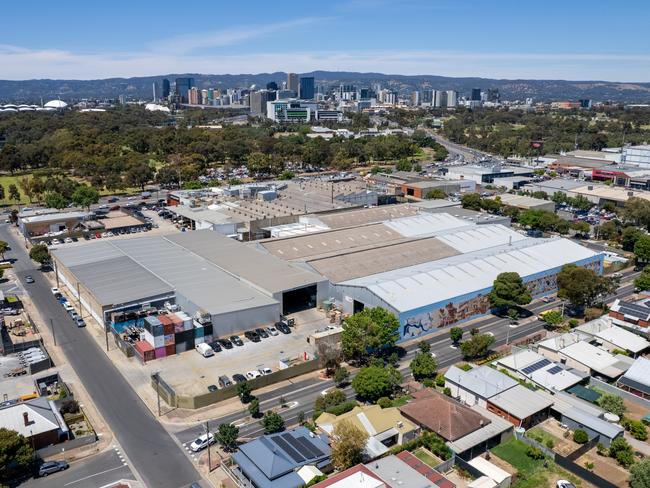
(462, 39)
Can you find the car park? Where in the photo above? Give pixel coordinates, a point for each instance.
(238, 378)
(262, 333)
(224, 381)
(251, 375)
(236, 340)
(272, 331)
(52, 467)
(201, 442)
(29, 279)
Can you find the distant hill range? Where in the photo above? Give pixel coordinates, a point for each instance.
(31, 91)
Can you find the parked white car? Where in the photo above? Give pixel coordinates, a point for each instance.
(265, 371)
(272, 331)
(201, 442)
(251, 375)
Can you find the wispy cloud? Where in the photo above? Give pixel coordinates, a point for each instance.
(187, 43)
(19, 63)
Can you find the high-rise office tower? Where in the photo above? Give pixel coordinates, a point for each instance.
(272, 85)
(259, 99)
(493, 95)
(476, 95)
(183, 86)
(165, 89)
(153, 86)
(293, 82)
(452, 98)
(307, 88)
(426, 97)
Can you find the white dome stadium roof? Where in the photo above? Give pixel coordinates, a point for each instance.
(154, 107)
(56, 104)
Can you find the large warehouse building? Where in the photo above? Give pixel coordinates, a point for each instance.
(430, 270)
(202, 271)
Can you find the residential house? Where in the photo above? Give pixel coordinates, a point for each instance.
(476, 386)
(273, 461)
(605, 334)
(385, 427)
(534, 367)
(634, 315)
(38, 420)
(636, 380)
(520, 406)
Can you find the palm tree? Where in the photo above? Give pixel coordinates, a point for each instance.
(4, 247)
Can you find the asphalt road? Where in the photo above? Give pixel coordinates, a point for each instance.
(157, 458)
(96, 472)
(301, 395)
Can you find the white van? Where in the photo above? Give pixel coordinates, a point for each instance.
(204, 350)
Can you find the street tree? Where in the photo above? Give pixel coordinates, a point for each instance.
(477, 346)
(456, 334)
(84, 196)
(348, 443)
(642, 282)
(552, 317)
(40, 254)
(642, 248)
(508, 291)
(55, 200)
(254, 407)
(424, 366)
(581, 227)
(330, 399)
(16, 454)
(341, 376)
(272, 423)
(139, 174)
(227, 435)
(4, 247)
(374, 382)
(629, 236)
(2, 192)
(583, 287)
(244, 392)
(371, 331)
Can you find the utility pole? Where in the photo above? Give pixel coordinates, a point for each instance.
(207, 433)
(79, 301)
(53, 333)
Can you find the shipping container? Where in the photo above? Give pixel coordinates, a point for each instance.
(151, 323)
(178, 323)
(207, 338)
(160, 352)
(207, 329)
(198, 340)
(169, 339)
(184, 336)
(198, 331)
(158, 341)
(145, 351)
(170, 350)
(187, 320)
(168, 325)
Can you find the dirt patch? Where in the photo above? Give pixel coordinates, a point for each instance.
(605, 467)
(563, 446)
(635, 411)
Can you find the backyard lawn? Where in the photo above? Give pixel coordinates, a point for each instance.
(531, 473)
(426, 457)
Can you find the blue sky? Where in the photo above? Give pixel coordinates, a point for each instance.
(569, 39)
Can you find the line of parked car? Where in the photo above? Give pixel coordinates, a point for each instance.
(208, 350)
(77, 319)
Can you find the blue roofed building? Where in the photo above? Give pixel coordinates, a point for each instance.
(273, 461)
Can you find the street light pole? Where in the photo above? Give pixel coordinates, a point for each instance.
(207, 433)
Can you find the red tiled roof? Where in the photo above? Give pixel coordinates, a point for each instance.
(442, 415)
(425, 470)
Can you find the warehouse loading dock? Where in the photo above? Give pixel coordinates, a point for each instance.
(299, 299)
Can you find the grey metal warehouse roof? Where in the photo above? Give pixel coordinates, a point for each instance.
(143, 263)
(201, 282)
(119, 280)
(256, 267)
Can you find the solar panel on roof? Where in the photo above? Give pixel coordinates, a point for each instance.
(288, 449)
(555, 370)
(307, 447)
(634, 309)
(535, 366)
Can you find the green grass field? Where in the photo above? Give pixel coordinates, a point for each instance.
(7, 180)
(426, 458)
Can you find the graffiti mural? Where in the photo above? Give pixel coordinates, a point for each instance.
(445, 316)
(454, 312)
